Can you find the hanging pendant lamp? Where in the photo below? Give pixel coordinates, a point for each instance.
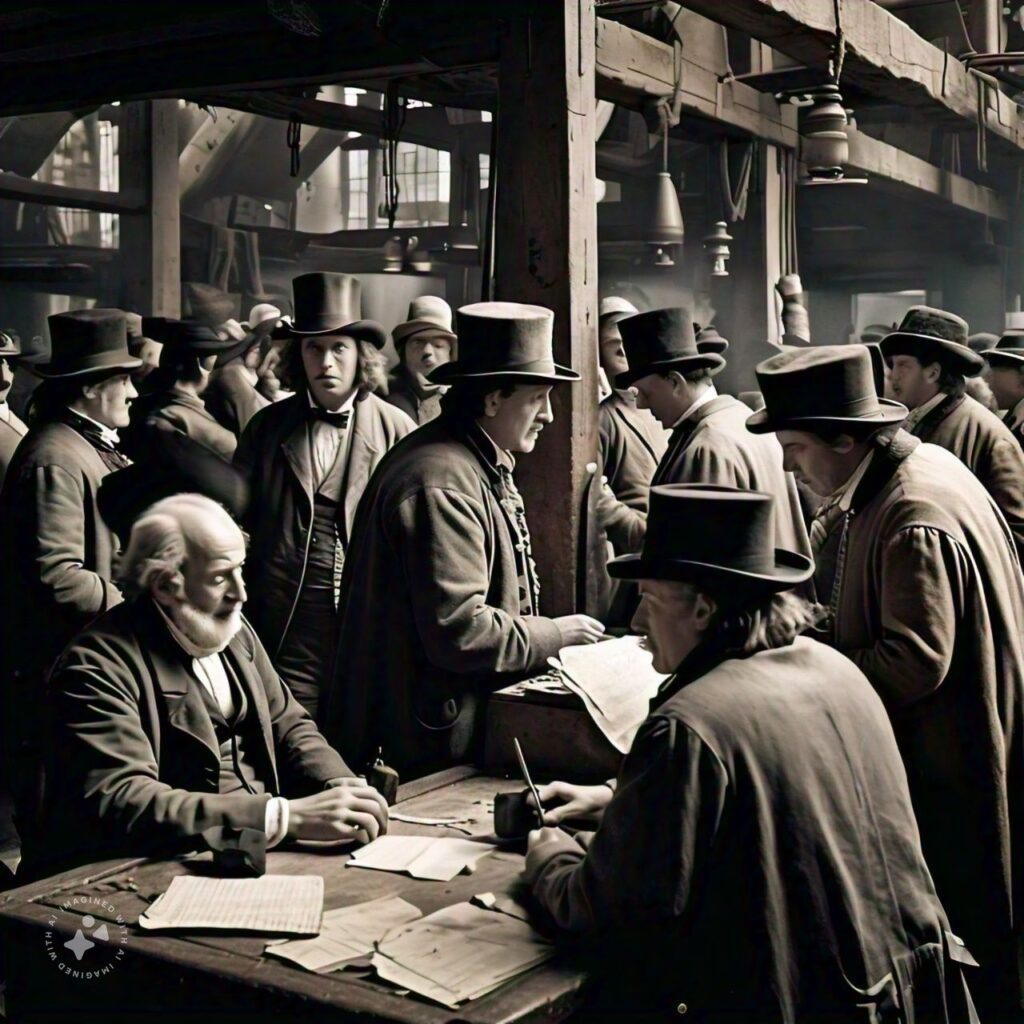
(665, 221)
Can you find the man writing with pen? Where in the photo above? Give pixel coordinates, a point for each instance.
(757, 857)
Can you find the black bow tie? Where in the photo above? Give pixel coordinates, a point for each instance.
(336, 419)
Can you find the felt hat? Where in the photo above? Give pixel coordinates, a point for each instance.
(10, 346)
(175, 464)
(208, 304)
(426, 313)
(874, 333)
(1008, 351)
(260, 314)
(709, 340)
(328, 303)
(504, 339)
(87, 341)
(719, 538)
(251, 335)
(982, 341)
(662, 340)
(933, 334)
(821, 386)
(193, 338)
(614, 308)
(877, 364)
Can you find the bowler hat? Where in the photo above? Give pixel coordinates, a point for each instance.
(87, 341)
(709, 340)
(826, 385)
(933, 335)
(659, 341)
(982, 341)
(9, 346)
(504, 339)
(1008, 351)
(327, 303)
(426, 313)
(614, 308)
(719, 538)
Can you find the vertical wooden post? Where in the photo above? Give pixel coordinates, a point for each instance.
(546, 254)
(151, 240)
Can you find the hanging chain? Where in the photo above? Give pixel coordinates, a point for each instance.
(294, 141)
(394, 120)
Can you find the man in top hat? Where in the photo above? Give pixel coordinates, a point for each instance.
(308, 459)
(1006, 379)
(709, 442)
(12, 430)
(56, 551)
(440, 601)
(424, 342)
(928, 601)
(757, 857)
(929, 365)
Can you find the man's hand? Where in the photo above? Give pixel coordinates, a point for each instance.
(581, 803)
(349, 809)
(544, 843)
(579, 629)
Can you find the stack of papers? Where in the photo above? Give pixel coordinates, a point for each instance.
(616, 681)
(347, 934)
(420, 856)
(276, 904)
(459, 953)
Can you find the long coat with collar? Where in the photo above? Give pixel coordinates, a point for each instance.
(276, 454)
(930, 606)
(986, 447)
(759, 859)
(186, 414)
(632, 443)
(12, 430)
(135, 760)
(429, 610)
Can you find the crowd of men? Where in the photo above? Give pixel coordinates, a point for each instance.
(823, 815)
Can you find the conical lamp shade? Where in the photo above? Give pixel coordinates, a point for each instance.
(666, 221)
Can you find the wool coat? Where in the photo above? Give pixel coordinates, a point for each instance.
(631, 442)
(12, 430)
(188, 415)
(930, 606)
(759, 860)
(420, 401)
(987, 448)
(135, 760)
(232, 399)
(429, 610)
(275, 453)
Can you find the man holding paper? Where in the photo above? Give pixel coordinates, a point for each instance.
(759, 857)
(170, 729)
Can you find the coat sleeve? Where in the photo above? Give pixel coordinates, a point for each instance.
(439, 536)
(654, 842)
(1004, 479)
(925, 578)
(625, 526)
(60, 545)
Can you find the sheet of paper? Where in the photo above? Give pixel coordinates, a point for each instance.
(346, 934)
(459, 953)
(276, 904)
(616, 681)
(438, 859)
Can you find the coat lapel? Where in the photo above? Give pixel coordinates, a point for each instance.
(681, 437)
(364, 451)
(298, 453)
(622, 410)
(929, 423)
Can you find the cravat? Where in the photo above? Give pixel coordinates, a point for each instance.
(336, 419)
(512, 502)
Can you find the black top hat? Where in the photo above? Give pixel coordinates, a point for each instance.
(662, 340)
(827, 385)
(709, 340)
(1009, 350)
(719, 538)
(175, 464)
(87, 341)
(504, 339)
(328, 303)
(9, 346)
(934, 334)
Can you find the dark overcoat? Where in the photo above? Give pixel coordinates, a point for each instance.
(429, 610)
(930, 606)
(420, 402)
(12, 430)
(631, 443)
(134, 758)
(232, 399)
(986, 447)
(759, 860)
(276, 455)
(184, 413)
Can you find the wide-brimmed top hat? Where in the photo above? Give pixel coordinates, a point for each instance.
(614, 308)
(933, 335)
(426, 313)
(9, 345)
(87, 341)
(709, 340)
(718, 538)
(827, 385)
(659, 341)
(1008, 350)
(327, 303)
(504, 339)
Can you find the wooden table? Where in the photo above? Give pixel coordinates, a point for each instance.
(204, 975)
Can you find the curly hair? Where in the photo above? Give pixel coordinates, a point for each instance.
(371, 375)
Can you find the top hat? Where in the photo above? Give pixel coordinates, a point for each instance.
(827, 385)
(327, 303)
(662, 340)
(934, 335)
(709, 340)
(504, 339)
(719, 538)
(1008, 351)
(9, 346)
(426, 313)
(614, 308)
(87, 341)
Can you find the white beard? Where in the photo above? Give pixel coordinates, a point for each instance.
(208, 633)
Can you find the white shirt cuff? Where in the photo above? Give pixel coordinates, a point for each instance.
(276, 821)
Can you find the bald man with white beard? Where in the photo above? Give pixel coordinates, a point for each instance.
(170, 729)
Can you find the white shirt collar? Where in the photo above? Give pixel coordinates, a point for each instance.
(847, 490)
(502, 455)
(5, 412)
(107, 434)
(345, 406)
(703, 398)
(918, 414)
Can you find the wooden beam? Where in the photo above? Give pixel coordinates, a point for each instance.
(546, 254)
(28, 190)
